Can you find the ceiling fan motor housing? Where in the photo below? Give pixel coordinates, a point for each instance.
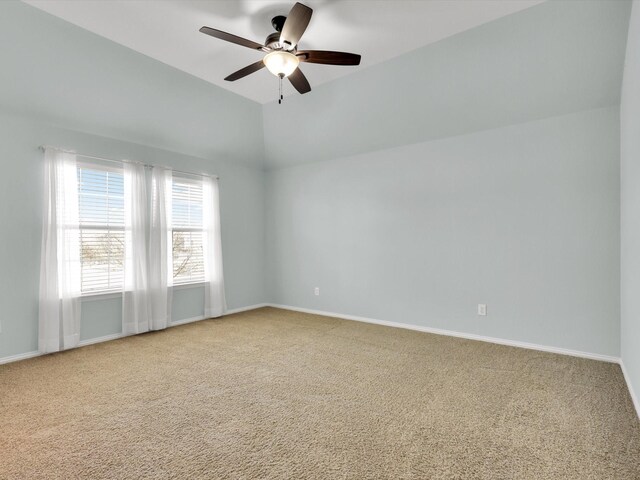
(273, 41)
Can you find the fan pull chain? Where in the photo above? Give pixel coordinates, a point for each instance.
(280, 91)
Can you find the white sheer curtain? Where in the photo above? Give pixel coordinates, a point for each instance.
(214, 301)
(160, 255)
(60, 272)
(135, 301)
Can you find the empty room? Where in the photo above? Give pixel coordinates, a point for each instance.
(331, 239)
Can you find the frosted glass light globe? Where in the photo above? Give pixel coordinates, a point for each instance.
(281, 63)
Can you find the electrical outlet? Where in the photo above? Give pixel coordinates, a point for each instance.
(316, 291)
(482, 309)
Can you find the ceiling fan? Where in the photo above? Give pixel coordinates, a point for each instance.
(281, 47)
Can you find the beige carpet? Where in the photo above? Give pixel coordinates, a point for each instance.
(277, 394)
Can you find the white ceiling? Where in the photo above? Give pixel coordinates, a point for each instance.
(167, 31)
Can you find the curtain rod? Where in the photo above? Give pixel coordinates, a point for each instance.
(147, 165)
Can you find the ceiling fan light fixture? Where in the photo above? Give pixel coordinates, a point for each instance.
(281, 63)
(281, 47)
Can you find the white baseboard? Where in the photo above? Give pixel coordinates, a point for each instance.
(634, 397)
(19, 356)
(228, 312)
(245, 309)
(452, 333)
(106, 338)
(82, 343)
(187, 320)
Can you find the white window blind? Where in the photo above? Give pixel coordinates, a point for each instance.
(186, 231)
(101, 214)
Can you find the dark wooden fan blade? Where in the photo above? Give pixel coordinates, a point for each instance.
(295, 25)
(231, 38)
(299, 81)
(243, 72)
(326, 57)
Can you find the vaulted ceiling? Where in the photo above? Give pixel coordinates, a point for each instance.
(378, 29)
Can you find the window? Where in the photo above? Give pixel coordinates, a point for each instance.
(187, 231)
(127, 229)
(102, 236)
(101, 207)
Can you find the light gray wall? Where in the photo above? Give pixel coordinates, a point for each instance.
(524, 218)
(555, 58)
(61, 74)
(242, 216)
(63, 86)
(630, 203)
